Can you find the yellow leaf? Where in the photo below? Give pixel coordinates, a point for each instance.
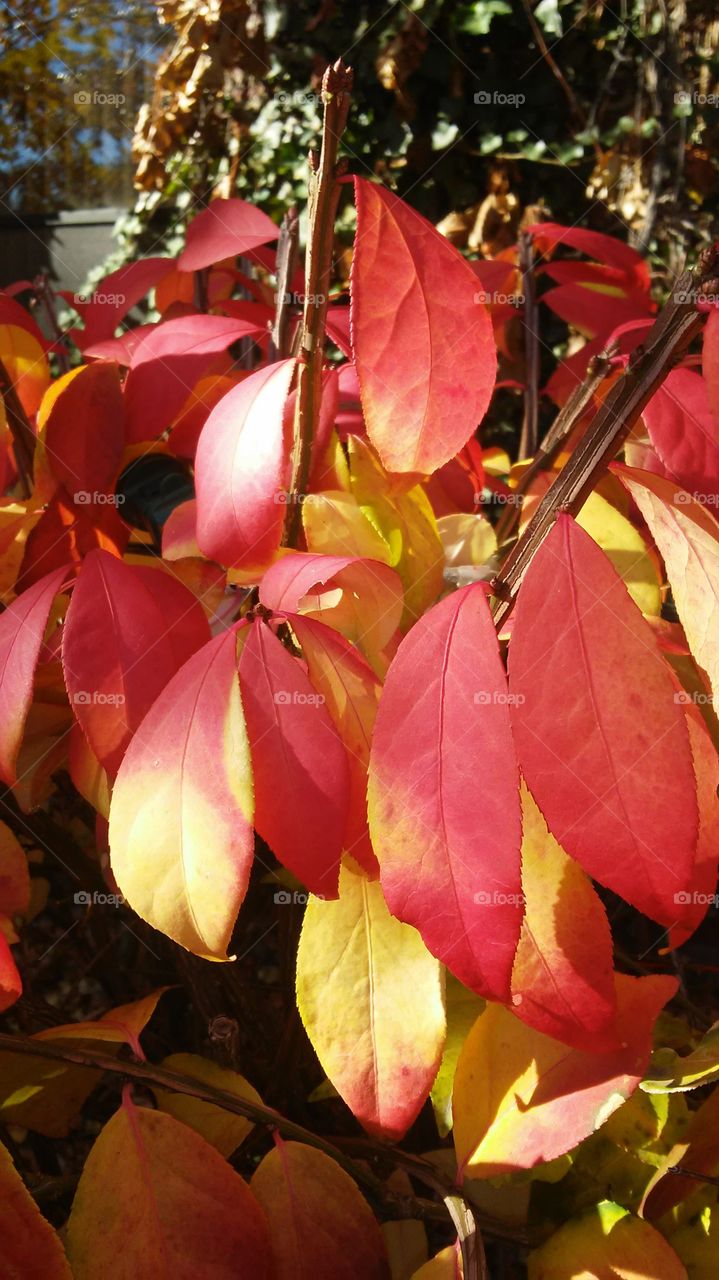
(371, 998)
(608, 1243)
(405, 520)
(221, 1128)
(445, 1265)
(335, 525)
(463, 1009)
(626, 549)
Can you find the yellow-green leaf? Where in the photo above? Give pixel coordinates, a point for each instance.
(223, 1129)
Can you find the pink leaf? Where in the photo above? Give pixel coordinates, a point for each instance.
(225, 229)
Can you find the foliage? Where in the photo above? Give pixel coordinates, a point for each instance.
(418, 830)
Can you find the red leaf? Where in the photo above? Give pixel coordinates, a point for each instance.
(548, 236)
(298, 761)
(601, 739)
(127, 631)
(22, 628)
(593, 313)
(225, 229)
(351, 692)
(10, 980)
(443, 794)
(685, 433)
(423, 344)
(84, 430)
(242, 470)
(113, 297)
(67, 531)
(168, 362)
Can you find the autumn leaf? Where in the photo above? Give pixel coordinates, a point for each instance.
(371, 999)
(413, 292)
(351, 694)
(321, 1227)
(128, 630)
(242, 470)
(604, 1243)
(81, 427)
(29, 1246)
(601, 738)
(448, 848)
(195, 822)
(563, 977)
(222, 1129)
(522, 1098)
(154, 1197)
(225, 229)
(22, 628)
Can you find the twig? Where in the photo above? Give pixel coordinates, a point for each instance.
(153, 1076)
(562, 427)
(322, 209)
(529, 438)
(674, 329)
(553, 67)
(689, 1173)
(287, 248)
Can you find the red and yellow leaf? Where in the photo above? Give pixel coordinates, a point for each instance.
(181, 841)
(443, 795)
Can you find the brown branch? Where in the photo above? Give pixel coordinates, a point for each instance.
(529, 438)
(324, 195)
(561, 429)
(674, 329)
(152, 1076)
(287, 249)
(553, 66)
